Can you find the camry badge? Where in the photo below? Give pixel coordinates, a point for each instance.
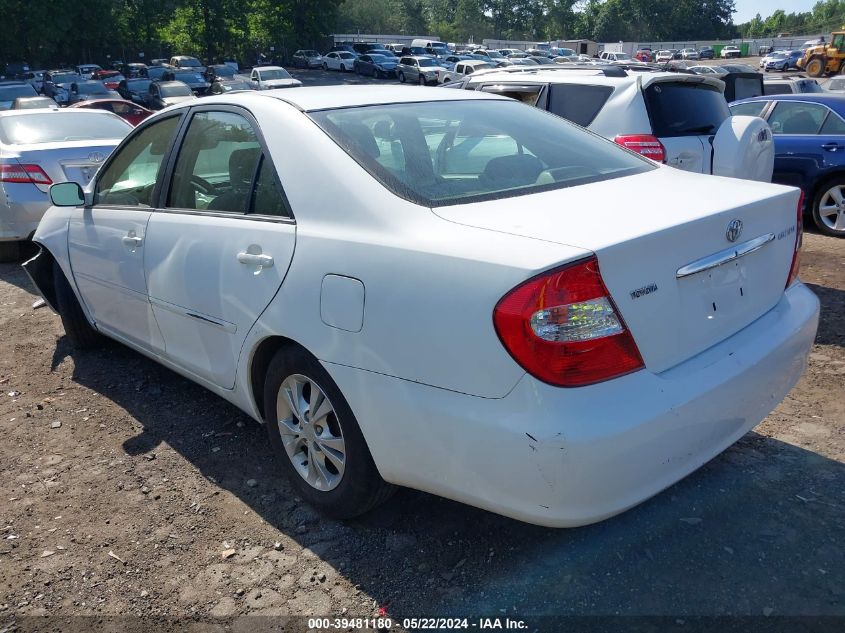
(734, 230)
(96, 157)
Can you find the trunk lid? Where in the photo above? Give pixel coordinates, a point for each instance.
(75, 161)
(644, 230)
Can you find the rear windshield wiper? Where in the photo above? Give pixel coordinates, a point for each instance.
(701, 129)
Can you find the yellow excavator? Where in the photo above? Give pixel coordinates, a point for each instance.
(825, 58)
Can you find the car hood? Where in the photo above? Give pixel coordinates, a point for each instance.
(282, 83)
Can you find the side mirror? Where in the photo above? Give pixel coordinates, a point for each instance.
(67, 194)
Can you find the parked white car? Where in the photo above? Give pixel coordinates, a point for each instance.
(678, 119)
(428, 292)
(269, 77)
(663, 57)
(462, 69)
(730, 51)
(689, 53)
(610, 56)
(339, 60)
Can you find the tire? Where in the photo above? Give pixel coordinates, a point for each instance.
(401, 77)
(342, 68)
(422, 80)
(842, 68)
(325, 67)
(828, 216)
(79, 332)
(10, 251)
(338, 494)
(815, 67)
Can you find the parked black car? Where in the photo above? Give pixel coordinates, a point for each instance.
(219, 71)
(157, 73)
(193, 79)
(706, 52)
(135, 90)
(135, 69)
(166, 93)
(376, 65)
(11, 90)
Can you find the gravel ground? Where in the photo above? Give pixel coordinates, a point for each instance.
(127, 490)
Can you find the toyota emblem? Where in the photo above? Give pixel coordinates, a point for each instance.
(734, 230)
(96, 157)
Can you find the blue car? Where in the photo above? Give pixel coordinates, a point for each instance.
(809, 133)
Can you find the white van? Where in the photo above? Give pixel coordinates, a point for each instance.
(432, 47)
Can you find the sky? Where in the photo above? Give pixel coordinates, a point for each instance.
(747, 9)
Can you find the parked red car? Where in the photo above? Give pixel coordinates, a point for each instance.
(109, 77)
(132, 112)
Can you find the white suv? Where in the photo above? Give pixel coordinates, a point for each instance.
(464, 68)
(674, 118)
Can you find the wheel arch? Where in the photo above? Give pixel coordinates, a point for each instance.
(262, 356)
(820, 185)
(39, 268)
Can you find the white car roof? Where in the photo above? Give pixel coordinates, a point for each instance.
(326, 97)
(268, 68)
(596, 76)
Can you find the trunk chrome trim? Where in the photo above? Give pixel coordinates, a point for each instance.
(723, 257)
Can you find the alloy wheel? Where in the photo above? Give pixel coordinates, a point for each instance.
(832, 208)
(310, 432)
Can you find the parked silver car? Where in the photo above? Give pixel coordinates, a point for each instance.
(419, 69)
(39, 148)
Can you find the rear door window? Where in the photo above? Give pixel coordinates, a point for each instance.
(580, 104)
(752, 108)
(777, 88)
(685, 108)
(833, 124)
(795, 117)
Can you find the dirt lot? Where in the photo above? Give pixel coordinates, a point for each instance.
(125, 489)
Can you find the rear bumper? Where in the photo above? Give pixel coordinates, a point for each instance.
(22, 205)
(569, 457)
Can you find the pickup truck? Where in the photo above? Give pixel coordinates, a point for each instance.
(268, 77)
(462, 69)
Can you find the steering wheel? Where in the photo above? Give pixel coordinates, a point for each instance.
(203, 185)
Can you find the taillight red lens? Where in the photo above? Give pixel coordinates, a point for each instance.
(799, 238)
(645, 144)
(24, 173)
(563, 328)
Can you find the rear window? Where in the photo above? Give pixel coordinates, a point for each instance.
(58, 126)
(579, 104)
(808, 85)
(776, 89)
(456, 152)
(685, 108)
(10, 93)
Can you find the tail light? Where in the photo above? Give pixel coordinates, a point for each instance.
(645, 144)
(563, 328)
(799, 238)
(24, 173)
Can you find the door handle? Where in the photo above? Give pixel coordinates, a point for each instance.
(831, 147)
(132, 241)
(251, 259)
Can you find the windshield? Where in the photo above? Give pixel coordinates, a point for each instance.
(235, 85)
(427, 61)
(267, 75)
(61, 126)
(494, 55)
(64, 78)
(224, 71)
(378, 58)
(139, 85)
(777, 55)
(189, 77)
(622, 56)
(190, 62)
(453, 152)
(175, 91)
(310, 53)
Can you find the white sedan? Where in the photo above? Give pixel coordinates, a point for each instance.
(339, 60)
(453, 304)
